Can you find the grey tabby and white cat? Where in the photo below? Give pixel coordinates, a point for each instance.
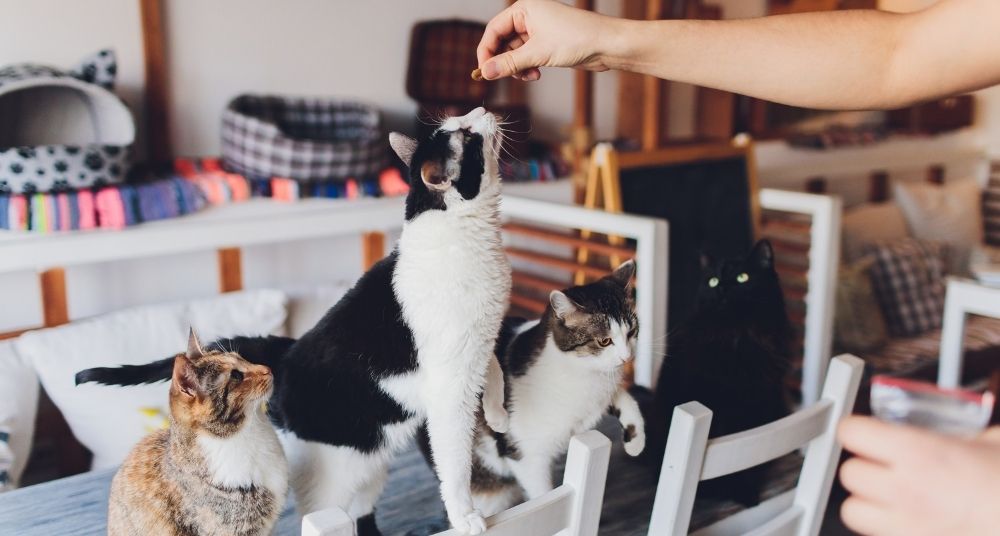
(562, 374)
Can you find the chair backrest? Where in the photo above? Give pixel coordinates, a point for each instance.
(691, 457)
(572, 509)
(963, 298)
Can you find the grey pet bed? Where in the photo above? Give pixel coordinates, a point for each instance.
(308, 139)
(62, 130)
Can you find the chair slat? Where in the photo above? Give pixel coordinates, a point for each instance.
(784, 524)
(739, 522)
(528, 304)
(736, 452)
(569, 240)
(542, 284)
(544, 516)
(557, 262)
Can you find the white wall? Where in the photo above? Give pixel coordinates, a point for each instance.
(346, 48)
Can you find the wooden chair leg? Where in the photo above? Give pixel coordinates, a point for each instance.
(230, 270)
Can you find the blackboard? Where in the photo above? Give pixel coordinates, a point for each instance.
(708, 205)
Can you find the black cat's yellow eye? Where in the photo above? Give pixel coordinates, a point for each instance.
(235, 376)
(714, 282)
(604, 342)
(743, 278)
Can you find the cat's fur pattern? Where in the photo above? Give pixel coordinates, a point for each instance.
(218, 469)
(732, 356)
(412, 341)
(560, 381)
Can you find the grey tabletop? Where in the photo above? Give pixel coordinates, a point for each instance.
(78, 505)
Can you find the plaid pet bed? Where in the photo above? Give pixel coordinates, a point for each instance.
(302, 138)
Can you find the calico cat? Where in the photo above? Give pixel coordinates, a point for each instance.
(412, 341)
(562, 374)
(219, 469)
(732, 355)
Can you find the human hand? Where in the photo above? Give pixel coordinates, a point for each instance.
(911, 481)
(542, 33)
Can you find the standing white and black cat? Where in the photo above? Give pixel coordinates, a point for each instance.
(562, 373)
(412, 341)
(731, 355)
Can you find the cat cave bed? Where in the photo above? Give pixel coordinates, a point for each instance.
(62, 130)
(301, 138)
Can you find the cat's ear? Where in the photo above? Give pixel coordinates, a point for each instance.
(194, 350)
(184, 380)
(562, 305)
(624, 273)
(404, 146)
(762, 255)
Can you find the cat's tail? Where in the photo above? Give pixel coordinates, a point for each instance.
(258, 350)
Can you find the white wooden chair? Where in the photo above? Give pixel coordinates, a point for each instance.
(964, 297)
(572, 509)
(691, 457)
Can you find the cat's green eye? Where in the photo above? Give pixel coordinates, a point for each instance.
(743, 278)
(604, 343)
(714, 282)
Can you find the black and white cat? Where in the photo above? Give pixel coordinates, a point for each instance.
(412, 341)
(562, 374)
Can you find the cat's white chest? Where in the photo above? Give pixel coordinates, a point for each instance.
(556, 399)
(251, 457)
(452, 280)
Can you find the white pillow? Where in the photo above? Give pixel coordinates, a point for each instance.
(18, 406)
(869, 224)
(306, 307)
(110, 420)
(950, 213)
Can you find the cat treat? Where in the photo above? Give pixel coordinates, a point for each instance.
(477, 75)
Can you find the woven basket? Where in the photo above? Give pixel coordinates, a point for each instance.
(302, 138)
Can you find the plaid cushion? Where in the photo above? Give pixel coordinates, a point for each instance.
(908, 278)
(302, 138)
(991, 207)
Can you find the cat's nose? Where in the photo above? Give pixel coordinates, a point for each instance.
(260, 370)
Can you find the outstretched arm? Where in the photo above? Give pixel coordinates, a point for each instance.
(831, 60)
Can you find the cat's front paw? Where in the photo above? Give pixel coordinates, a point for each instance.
(635, 440)
(471, 523)
(498, 420)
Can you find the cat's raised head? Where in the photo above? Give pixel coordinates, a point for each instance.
(740, 286)
(597, 322)
(215, 391)
(455, 166)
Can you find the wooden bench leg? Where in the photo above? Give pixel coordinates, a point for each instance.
(230, 270)
(372, 249)
(55, 309)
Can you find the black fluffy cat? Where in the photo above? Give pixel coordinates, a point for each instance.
(732, 355)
